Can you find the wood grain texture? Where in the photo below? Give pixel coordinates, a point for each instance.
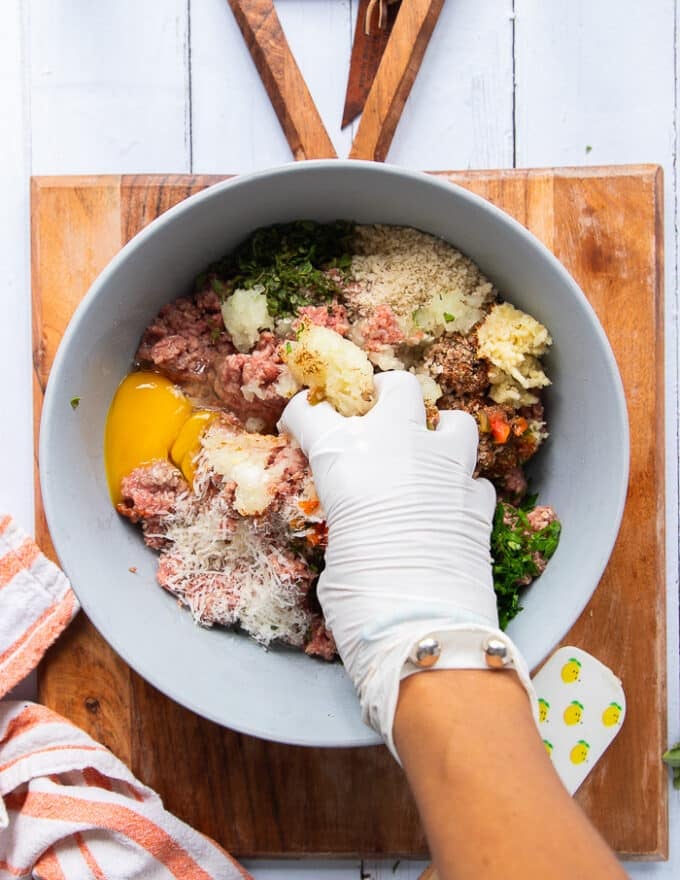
(370, 40)
(76, 231)
(259, 798)
(395, 77)
(285, 85)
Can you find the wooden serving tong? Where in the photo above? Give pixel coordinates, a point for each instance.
(398, 62)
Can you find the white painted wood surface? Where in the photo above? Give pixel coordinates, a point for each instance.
(150, 86)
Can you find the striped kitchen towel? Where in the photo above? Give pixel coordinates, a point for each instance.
(69, 809)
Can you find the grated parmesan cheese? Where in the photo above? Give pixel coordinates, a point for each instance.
(230, 576)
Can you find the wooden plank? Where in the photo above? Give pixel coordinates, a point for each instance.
(577, 66)
(76, 232)
(258, 798)
(397, 72)
(16, 433)
(109, 86)
(460, 110)
(280, 74)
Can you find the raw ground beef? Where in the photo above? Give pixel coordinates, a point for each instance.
(453, 364)
(245, 384)
(289, 530)
(321, 642)
(501, 463)
(333, 316)
(188, 344)
(149, 495)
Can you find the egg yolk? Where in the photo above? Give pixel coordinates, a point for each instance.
(144, 420)
(187, 445)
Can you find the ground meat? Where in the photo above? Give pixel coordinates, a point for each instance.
(185, 342)
(453, 364)
(212, 597)
(149, 494)
(320, 642)
(151, 490)
(292, 569)
(513, 484)
(333, 316)
(246, 383)
(540, 517)
(380, 329)
(499, 462)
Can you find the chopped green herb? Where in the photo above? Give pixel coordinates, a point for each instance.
(448, 317)
(514, 548)
(589, 149)
(672, 758)
(75, 402)
(215, 333)
(289, 348)
(290, 261)
(219, 287)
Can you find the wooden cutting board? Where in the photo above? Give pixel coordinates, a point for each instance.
(262, 799)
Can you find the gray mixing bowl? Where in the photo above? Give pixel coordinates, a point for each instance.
(280, 694)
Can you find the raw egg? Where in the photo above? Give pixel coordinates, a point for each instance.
(187, 445)
(144, 420)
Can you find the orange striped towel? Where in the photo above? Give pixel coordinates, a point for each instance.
(68, 807)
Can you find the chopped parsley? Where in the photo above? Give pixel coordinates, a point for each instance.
(513, 547)
(215, 333)
(75, 403)
(448, 317)
(672, 758)
(289, 260)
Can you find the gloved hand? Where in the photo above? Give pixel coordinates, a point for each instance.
(408, 540)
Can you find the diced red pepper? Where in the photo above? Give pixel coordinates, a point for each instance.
(500, 428)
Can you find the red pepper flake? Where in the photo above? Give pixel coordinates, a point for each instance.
(308, 506)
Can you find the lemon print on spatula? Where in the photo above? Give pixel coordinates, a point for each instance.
(611, 715)
(580, 752)
(573, 712)
(571, 671)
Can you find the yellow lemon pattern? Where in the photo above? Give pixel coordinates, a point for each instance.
(580, 752)
(611, 715)
(579, 707)
(573, 712)
(571, 671)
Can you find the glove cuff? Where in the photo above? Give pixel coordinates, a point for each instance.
(462, 646)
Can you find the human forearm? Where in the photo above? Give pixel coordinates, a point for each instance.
(490, 800)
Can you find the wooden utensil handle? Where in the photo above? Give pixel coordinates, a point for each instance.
(287, 90)
(396, 75)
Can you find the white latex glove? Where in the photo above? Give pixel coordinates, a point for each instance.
(408, 540)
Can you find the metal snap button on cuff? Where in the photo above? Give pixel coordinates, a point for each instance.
(496, 652)
(426, 653)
